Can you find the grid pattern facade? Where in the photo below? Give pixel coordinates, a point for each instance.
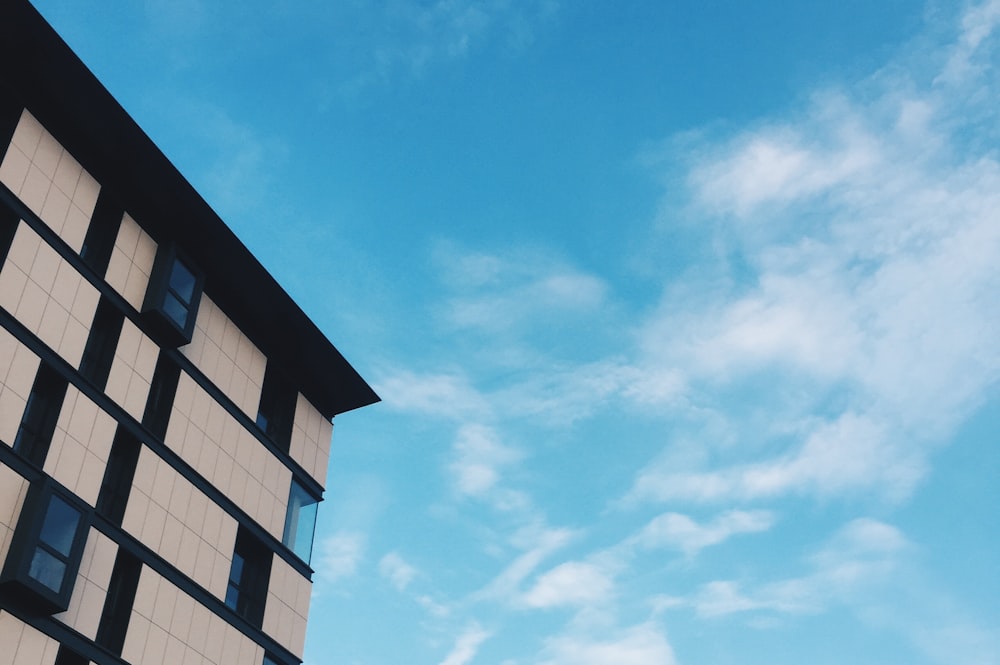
(150, 510)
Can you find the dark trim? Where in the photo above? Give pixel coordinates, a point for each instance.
(133, 315)
(148, 557)
(59, 90)
(167, 454)
(10, 112)
(63, 634)
(160, 566)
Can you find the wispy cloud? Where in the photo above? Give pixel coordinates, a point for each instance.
(467, 645)
(394, 568)
(644, 644)
(339, 555)
(574, 583)
(863, 312)
(861, 556)
(479, 457)
(674, 530)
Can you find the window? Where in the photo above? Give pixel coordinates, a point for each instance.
(46, 548)
(300, 522)
(118, 603)
(161, 395)
(246, 592)
(118, 476)
(101, 344)
(173, 295)
(99, 243)
(41, 413)
(276, 412)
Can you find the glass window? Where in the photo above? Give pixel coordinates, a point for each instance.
(172, 298)
(55, 544)
(46, 547)
(105, 223)
(246, 592)
(300, 522)
(277, 408)
(118, 476)
(119, 601)
(41, 413)
(99, 353)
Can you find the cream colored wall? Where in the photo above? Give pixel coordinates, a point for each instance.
(287, 606)
(47, 294)
(91, 588)
(311, 436)
(12, 491)
(132, 370)
(221, 450)
(49, 181)
(177, 521)
(169, 627)
(131, 262)
(18, 366)
(20, 644)
(227, 357)
(78, 453)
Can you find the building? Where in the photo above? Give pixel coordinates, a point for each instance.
(165, 408)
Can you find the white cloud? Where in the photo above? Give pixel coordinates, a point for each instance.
(394, 568)
(442, 395)
(479, 457)
(859, 558)
(681, 532)
(467, 645)
(339, 555)
(644, 644)
(536, 545)
(498, 293)
(867, 230)
(574, 583)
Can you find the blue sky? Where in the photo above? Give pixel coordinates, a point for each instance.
(684, 315)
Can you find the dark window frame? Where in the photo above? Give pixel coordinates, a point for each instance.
(118, 603)
(276, 410)
(249, 577)
(300, 542)
(162, 391)
(41, 415)
(34, 527)
(164, 292)
(102, 233)
(102, 342)
(119, 474)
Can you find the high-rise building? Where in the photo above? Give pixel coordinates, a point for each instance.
(165, 408)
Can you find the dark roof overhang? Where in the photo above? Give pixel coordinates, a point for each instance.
(42, 72)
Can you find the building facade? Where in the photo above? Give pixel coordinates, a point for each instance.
(165, 408)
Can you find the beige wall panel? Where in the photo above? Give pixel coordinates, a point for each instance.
(18, 366)
(222, 451)
(84, 613)
(287, 606)
(227, 357)
(168, 627)
(47, 295)
(132, 370)
(80, 446)
(12, 491)
(310, 445)
(23, 645)
(131, 262)
(177, 521)
(49, 181)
